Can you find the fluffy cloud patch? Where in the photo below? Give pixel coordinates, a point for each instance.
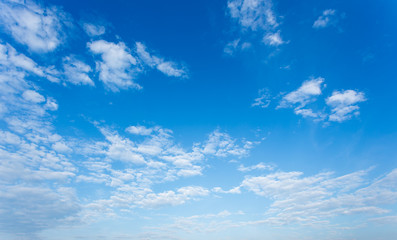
(76, 72)
(304, 94)
(344, 104)
(39, 28)
(117, 67)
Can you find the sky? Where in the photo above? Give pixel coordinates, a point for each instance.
(211, 119)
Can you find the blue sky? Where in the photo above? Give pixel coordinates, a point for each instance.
(227, 119)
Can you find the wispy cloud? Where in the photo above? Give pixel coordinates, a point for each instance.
(168, 68)
(94, 30)
(328, 18)
(263, 101)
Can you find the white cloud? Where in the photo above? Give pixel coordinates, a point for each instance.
(10, 58)
(118, 67)
(221, 144)
(321, 197)
(33, 96)
(61, 147)
(273, 39)
(40, 28)
(139, 130)
(304, 94)
(168, 68)
(326, 19)
(344, 104)
(253, 14)
(24, 210)
(179, 197)
(263, 101)
(259, 166)
(231, 47)
(76, 71)
(93, 30)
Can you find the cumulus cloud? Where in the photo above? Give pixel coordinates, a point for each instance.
(37, 27)
(168, 68)
(305, 94)
(117, 68)
(76, 72)
(344, 104)
(327, 18)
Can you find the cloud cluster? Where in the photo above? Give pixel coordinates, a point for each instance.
(39, 28)
(253, 17)
(44, 29)
(342, 104)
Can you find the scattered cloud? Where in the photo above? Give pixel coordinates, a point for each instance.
(305, 94)
(33, 96)
(9, 57)
(253, 17)
(76, 72)
(344, 104)
(139, 130)
(253, 14)
(179, 197)
(39, 28)
(328, 18)
(263, 101)
(117, 67)
(168, 68)
(273, 39)
(93, 30)
(319, 198)
(259, 166)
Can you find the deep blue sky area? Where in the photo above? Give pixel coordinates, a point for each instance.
(225, 119)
